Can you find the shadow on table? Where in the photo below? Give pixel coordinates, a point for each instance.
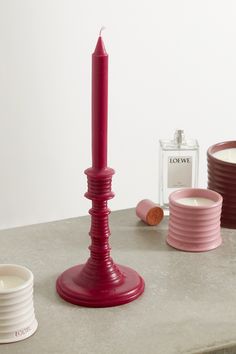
(45, 290)
(142, 237)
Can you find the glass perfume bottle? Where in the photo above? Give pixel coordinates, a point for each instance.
(179, 159)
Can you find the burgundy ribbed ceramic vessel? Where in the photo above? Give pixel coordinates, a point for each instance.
(222, 179)
(194, 228)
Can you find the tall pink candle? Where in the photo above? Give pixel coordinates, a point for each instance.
(99, 105)
(99, 282)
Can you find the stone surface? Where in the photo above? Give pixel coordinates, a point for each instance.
(188, 305)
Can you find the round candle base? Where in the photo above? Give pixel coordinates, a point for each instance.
(128, 288)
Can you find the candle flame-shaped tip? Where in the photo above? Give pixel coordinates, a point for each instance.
(100, 48)
(102, 29)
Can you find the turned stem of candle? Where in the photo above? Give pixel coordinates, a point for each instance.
(99, 191)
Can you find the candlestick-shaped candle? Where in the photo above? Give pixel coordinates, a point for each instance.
(99, 282)
(99, 105)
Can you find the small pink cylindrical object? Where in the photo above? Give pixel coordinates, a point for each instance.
(149, 212)
(194, 223)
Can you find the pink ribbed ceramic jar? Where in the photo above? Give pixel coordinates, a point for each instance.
(194, 223)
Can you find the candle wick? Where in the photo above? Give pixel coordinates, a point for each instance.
(102, 29)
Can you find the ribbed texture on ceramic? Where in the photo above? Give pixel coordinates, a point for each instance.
(222, 179)
(194, 228)
(17, 317)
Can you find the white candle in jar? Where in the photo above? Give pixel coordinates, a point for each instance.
(228, 155)
(10, 281)
(195, 201)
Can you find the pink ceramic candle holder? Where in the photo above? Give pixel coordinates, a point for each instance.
(194, 223)
(221, 160)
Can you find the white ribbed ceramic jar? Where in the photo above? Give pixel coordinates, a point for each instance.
(17, 318)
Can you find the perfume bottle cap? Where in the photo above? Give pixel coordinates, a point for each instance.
(179, 137)
(149, 212)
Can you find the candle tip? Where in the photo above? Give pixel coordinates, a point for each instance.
(100, 48)
(102, 29)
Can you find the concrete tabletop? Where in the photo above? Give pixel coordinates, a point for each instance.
(189, 304)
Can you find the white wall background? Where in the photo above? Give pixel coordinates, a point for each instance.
(172, 64)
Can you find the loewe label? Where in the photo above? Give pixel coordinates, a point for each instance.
(22, 332)
(179, 171)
